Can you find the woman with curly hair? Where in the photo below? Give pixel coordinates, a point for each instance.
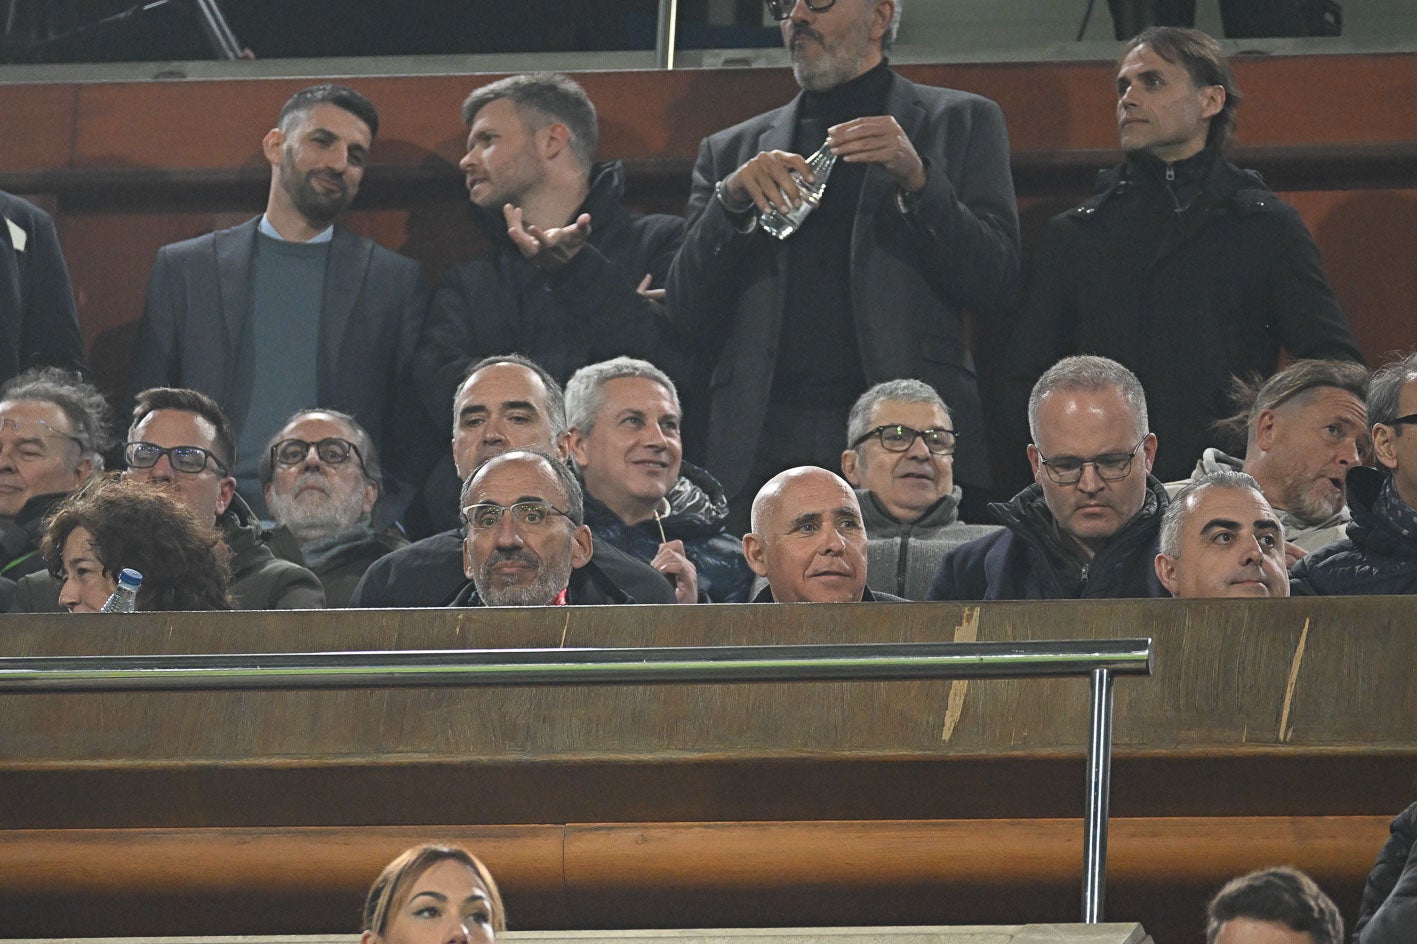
(433, 894)
(112, 524)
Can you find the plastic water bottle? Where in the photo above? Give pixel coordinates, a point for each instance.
(125, 597)
(783, 225)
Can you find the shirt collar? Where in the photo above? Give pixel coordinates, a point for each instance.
(324, 236)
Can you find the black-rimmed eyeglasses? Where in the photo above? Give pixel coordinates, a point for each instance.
(484, 516)
(1407, 420)
(940, 442)
(332, 451)
(1110, 466)
(782, 9)
(189, 459)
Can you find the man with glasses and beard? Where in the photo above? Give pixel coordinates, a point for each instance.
(296, 296)
(917, 223)
(321, 479)
(1089, 526)
(527, 543)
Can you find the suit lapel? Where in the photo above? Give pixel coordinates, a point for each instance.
(344, 277)
(777, 136)
(235, 250)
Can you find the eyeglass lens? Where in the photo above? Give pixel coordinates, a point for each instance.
(191, 459)
(331, 450)
(486, 516)
(901, 438)
(782, 9)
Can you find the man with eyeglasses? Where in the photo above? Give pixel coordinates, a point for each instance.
(180, 441)
(900, 457)
(1379, 553)
(321, 478)
(54, 428)
(1088, 526)
(505, 402)
(918, 222)
(527, 543)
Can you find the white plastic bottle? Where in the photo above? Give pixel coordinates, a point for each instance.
(125, 597)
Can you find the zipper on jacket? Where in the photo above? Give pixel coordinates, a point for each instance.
(901, 561)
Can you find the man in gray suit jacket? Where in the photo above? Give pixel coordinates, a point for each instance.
(291, 311)
(918, 222)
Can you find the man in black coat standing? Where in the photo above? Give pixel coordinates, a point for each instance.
(38, 322)
(918, 222)
(1183, 267)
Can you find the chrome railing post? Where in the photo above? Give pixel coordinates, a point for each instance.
(1099, 785)
(666, 34)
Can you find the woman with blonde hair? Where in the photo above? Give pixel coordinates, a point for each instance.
(432, 894)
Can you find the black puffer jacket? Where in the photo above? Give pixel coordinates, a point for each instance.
(1375, 558)
(1389, 911)
(697, 511)
(585, 311)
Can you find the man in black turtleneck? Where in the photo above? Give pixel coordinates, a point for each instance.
(1183, 267)
(918, 222)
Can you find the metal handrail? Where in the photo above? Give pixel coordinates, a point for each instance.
(666, 34)
(1100, 660)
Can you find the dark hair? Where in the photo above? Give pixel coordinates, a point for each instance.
(188, 401)
(184, 562)
(1203, 59)
(1284, 895)
(88, 412)
(542, 98)
(368, 454)
(339, 95)
(390, 889)
(1170, 540)
(555, 396)
(1251, 397)
(570, 485)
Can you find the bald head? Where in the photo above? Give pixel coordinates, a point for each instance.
(808, 539)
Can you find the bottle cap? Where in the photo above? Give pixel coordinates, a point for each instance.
(130, 578)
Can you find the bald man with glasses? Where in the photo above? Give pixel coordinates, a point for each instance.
(1089, 526)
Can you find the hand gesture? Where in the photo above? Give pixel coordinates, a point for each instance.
(879, 140)
(1293, 553)
(768, 181)
(548, 248)
(654, 295)
(674, 564)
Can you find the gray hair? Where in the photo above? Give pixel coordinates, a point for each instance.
(1385, 389)
(570, 485)
(585, 390)
(543, 98)
(369, 456)
(1176, 511)
(555, 396)
(1091, 374)
(906, 390)
(89, 415)
(888, 40)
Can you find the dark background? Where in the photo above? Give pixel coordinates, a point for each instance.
(120, 31)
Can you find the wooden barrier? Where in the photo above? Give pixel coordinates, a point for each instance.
(1277, 731)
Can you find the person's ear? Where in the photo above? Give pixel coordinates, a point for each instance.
(849, 467)
(1385, 445)
(1212, 100)
(371, 495)
(1266, 428)
(1166, 572)
(753, 553)
(1033, 462)
(271, 146)
(582, 547)
(224, 497)
(1148, 448)
(575, 442)
(467, 569)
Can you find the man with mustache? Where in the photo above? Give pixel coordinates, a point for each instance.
(321, 478)
(1088, 526)
(1305, 428)
(901, 443)
(527, 543)
(918, 222)
(293, 295)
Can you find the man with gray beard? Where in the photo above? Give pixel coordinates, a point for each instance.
(917, 223)
(527, 543)
(321, 479)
